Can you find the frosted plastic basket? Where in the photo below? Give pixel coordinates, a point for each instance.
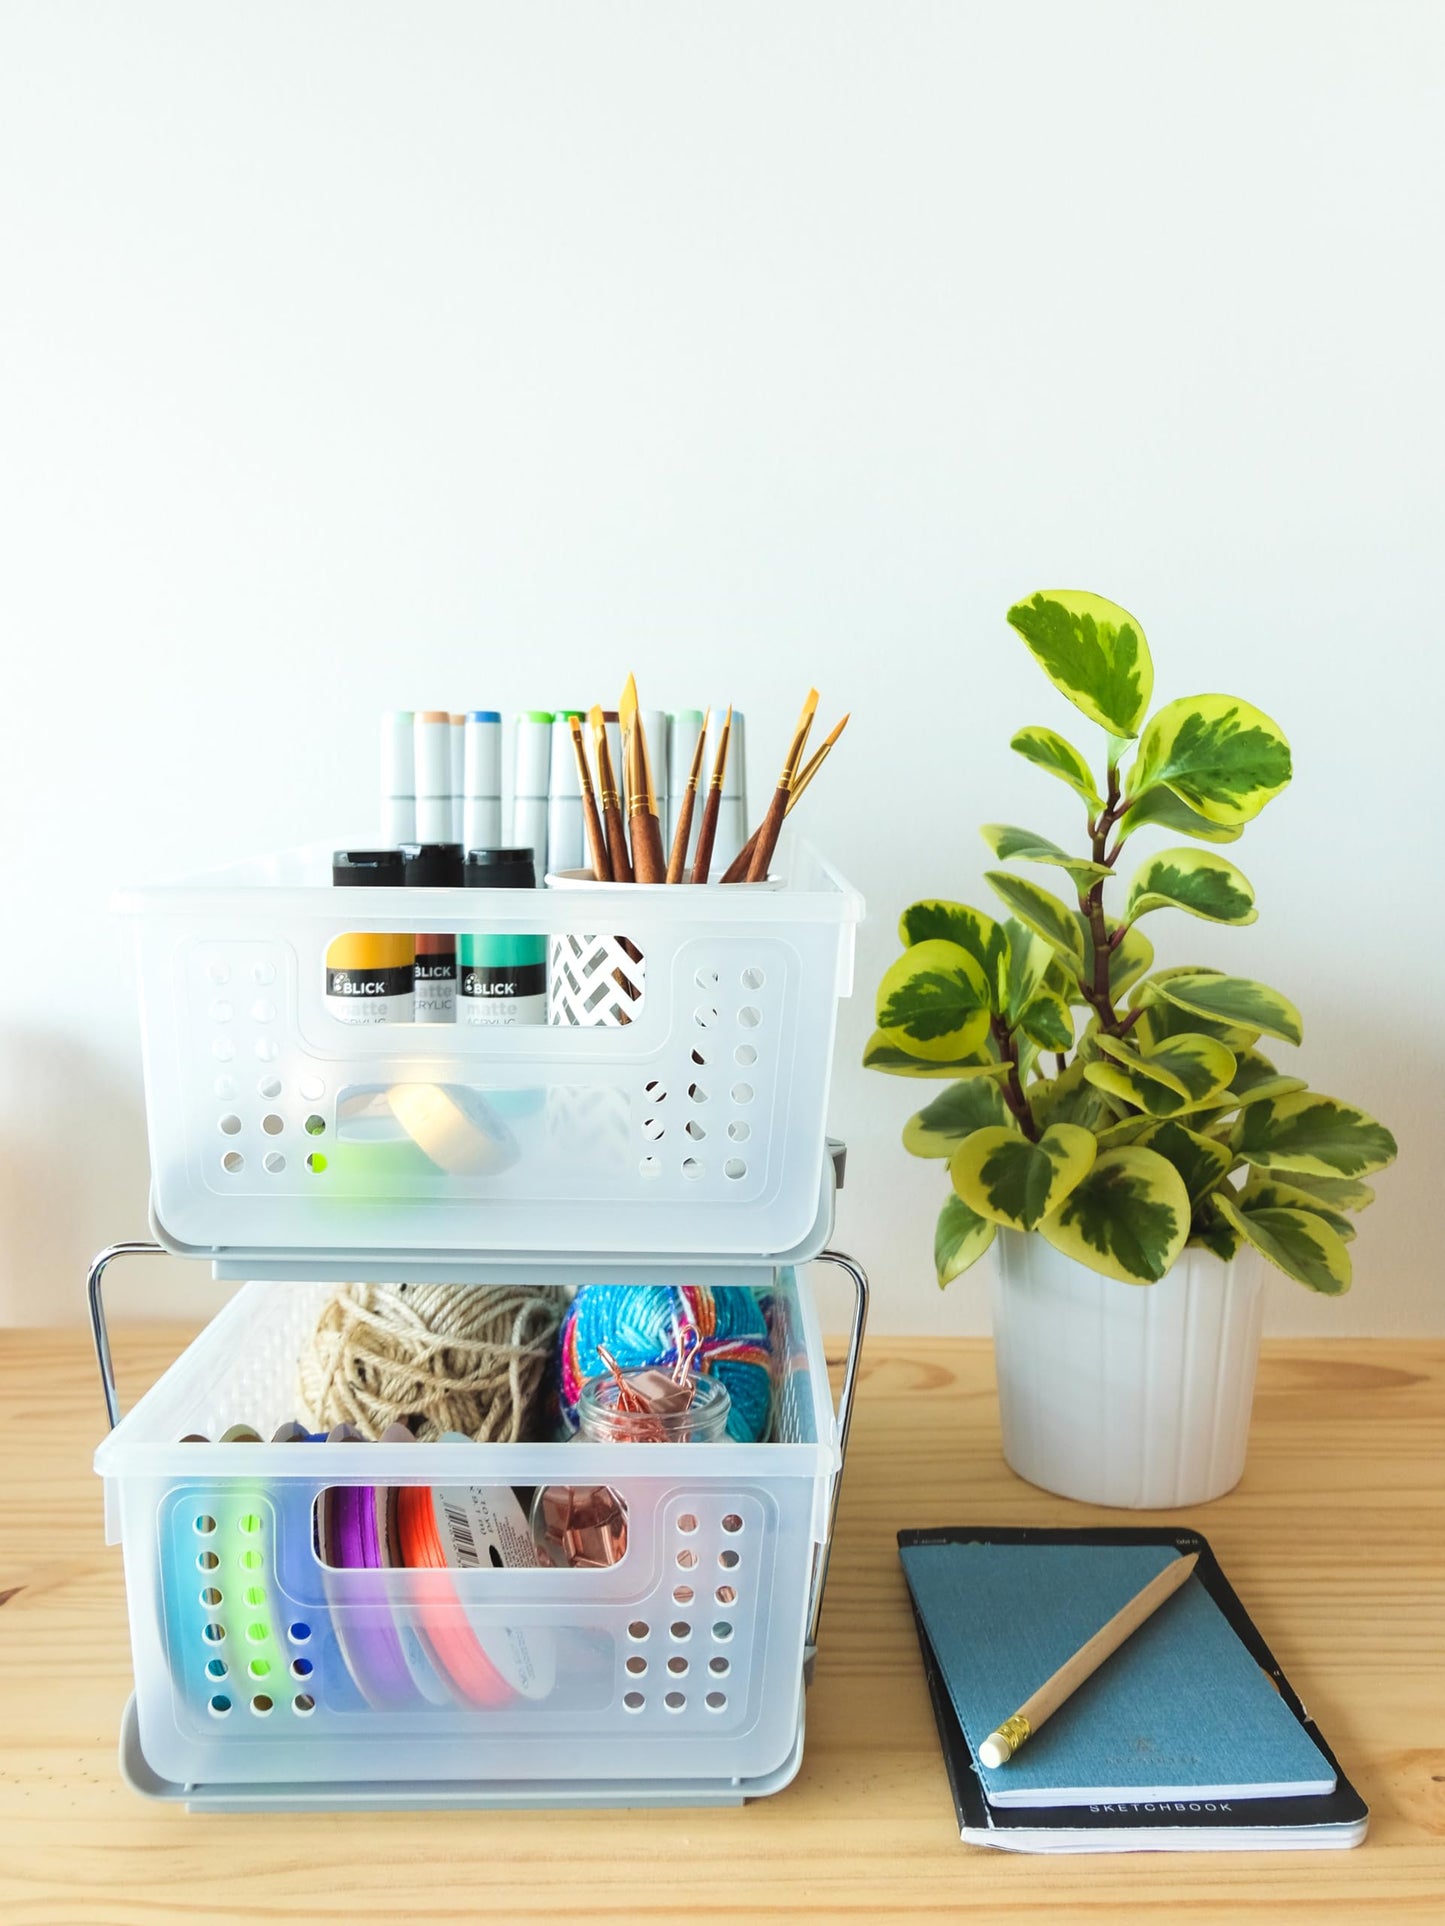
(699, 1126)
(678, 1671)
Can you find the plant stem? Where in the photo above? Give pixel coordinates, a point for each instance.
(1012, 1087)
(1099, 994)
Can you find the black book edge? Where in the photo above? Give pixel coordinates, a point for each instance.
(1332, 1810)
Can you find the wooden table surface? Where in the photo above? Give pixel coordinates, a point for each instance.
(1335, 1540)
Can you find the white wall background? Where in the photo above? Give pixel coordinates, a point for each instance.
(356, 356)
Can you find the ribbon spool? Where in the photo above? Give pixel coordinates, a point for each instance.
(361, 1611)
(452, 1642)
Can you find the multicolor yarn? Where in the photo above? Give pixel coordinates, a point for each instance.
(640, 1324)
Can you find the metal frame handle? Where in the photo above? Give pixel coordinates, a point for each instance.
(98, 1328)
(859, 1276)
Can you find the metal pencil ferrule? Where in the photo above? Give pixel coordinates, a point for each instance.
(1013, 1733)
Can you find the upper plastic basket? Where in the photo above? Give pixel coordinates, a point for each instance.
(697, 1126)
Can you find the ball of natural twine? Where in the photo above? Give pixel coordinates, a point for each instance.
(442, 1357)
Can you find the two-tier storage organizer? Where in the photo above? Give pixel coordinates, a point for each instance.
(686, 1146)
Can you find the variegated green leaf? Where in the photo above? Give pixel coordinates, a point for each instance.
(961, 1238)
(1199, 1160)
(1181, 1074)
(1340, 1193)
(1043, 913)
(1131, 1131)
(1048, 750)
(1213, 1233)
(1160, 1018)
(1296, 1242)
(1069, 1098)
(1221, 756)
(1046, 1022)
(1162, 808)
(1002, 1176)
(1234, 999)
(1128, 1218)
(941, 1126)
(934, 1001)
(1011, 844)
(1313, 1134)
(1092, 651)
(1196, 880)
(1202, 1064)
(1256, 1078)
(1026, 968)
(882, 1053)
(1266, 1192)
(942, 921)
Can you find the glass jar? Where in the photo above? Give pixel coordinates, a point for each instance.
(585, 1526)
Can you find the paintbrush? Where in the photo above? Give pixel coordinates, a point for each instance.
(682, 834)
(771, 826)
(596, 841)
(707, 833)
(648, 862)
(737, 869)
(611, 800)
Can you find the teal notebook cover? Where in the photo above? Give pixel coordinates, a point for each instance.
(1180, 1711)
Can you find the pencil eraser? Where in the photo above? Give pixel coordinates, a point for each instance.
(995, 1750)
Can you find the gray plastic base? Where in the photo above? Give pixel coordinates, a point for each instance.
(449, 1795)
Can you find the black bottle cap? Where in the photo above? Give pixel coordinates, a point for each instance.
(501, 869)
(367, 868)
(433, 865)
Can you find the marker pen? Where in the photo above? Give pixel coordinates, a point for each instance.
(564, 798)
(369, 973)
(657, 727)
(682, 742)
(433, 737)
(398, 781)
(529, 785)
(503, 974)
(732, 822)
(435, 866)
(482, 780)
(456, 767)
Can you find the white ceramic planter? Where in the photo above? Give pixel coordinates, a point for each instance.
(1124, 1394)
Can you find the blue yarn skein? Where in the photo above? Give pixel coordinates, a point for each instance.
(638, 1324)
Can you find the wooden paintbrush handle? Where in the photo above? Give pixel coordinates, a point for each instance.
(681, 836)
(737, 869)
(648, 860)
(617, 841)
(768, 833)
(706, 836)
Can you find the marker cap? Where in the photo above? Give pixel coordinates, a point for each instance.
(501, 869)
(368, 868)
(434, 865)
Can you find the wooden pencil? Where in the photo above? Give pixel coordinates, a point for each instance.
(596, 840)
(707, 832)
(649, 865)
(611, 799)
(737, 869)
(1000, 1746)
(682, 835)
(771, 826)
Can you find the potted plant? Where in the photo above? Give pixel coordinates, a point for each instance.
(1112, 1126)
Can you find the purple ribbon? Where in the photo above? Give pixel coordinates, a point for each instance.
(361, 1614)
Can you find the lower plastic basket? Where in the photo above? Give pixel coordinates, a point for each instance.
(267, 1678)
